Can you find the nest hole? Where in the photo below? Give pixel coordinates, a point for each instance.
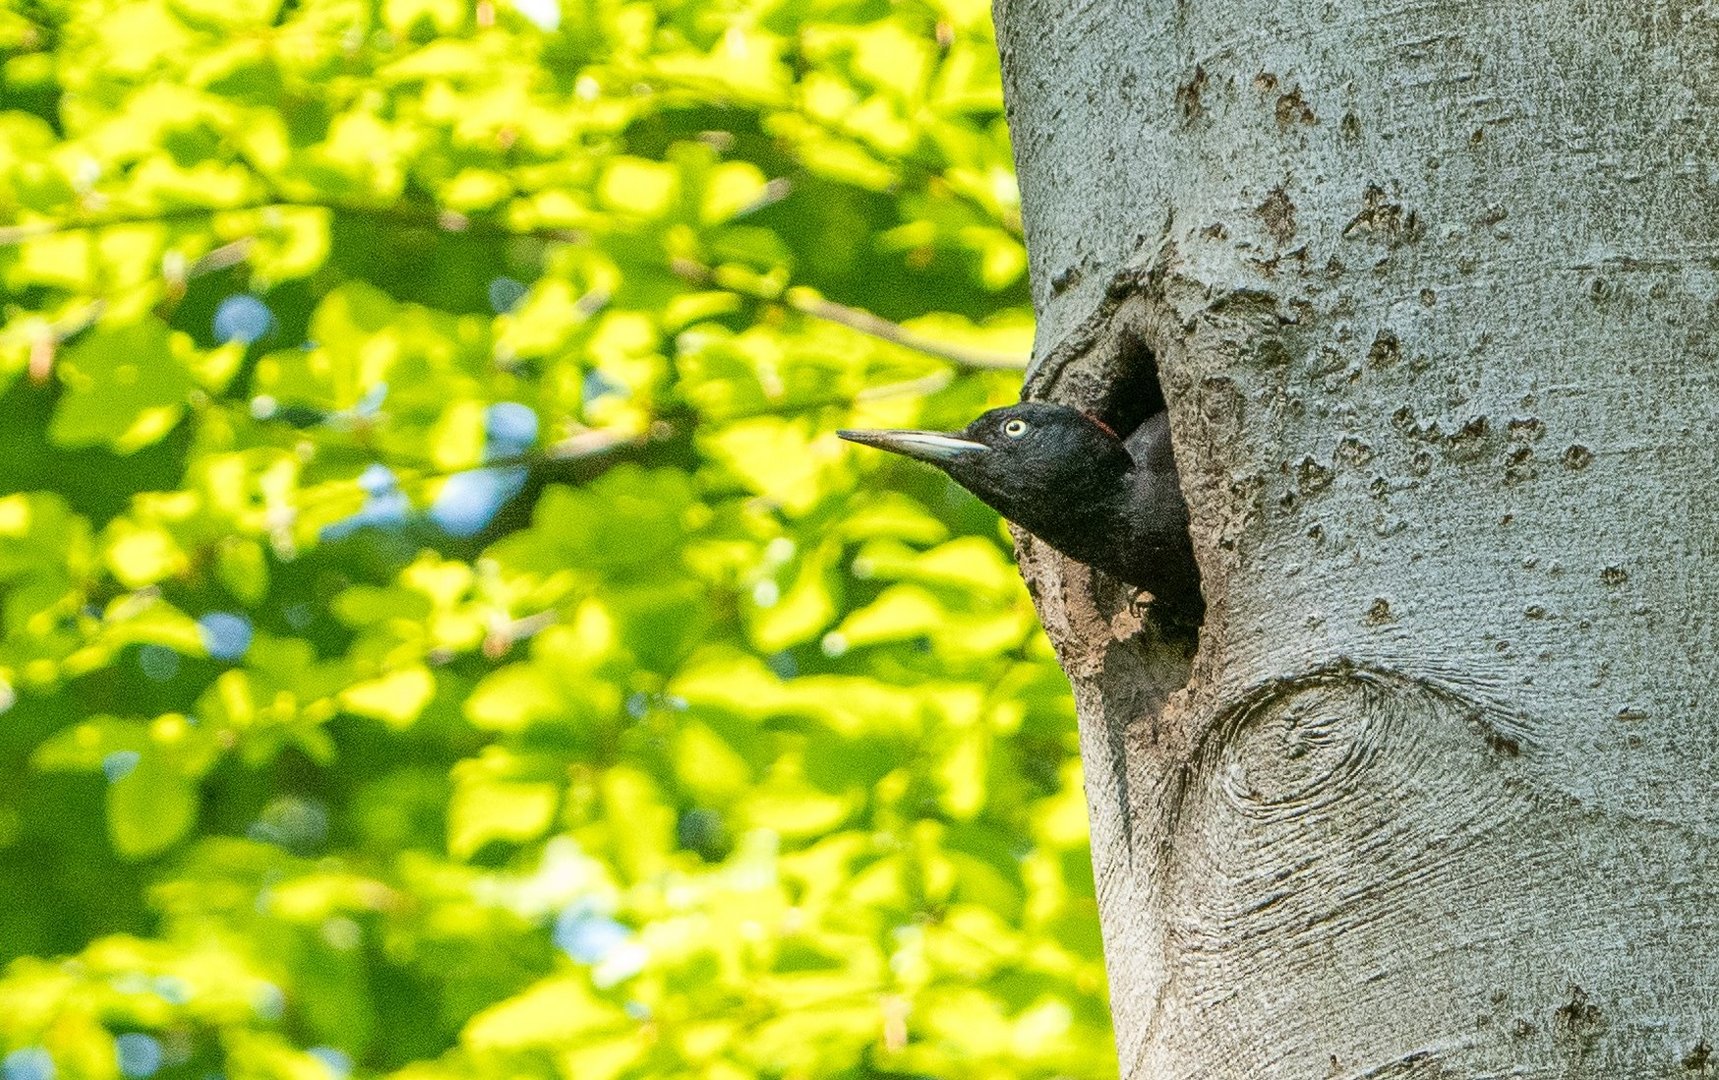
(1119, 384)
(1132, 394)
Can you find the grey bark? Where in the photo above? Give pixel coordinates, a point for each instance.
(1433, 293)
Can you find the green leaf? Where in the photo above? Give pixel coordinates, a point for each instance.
(724, 750)
(90, 743)
(498, 797)
(126, 386)
(801, 612)
(641, 188)
(150, 807)
(512, 698)
(555, 1011)
(243, 569)
(899, 613)
(396, 698)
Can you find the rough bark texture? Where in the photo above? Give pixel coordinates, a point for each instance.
(1432, 290)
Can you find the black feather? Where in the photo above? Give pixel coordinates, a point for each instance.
(1067, 479)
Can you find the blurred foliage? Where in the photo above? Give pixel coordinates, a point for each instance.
(439, 634)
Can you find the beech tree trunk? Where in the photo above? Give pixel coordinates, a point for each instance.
(1432, 292)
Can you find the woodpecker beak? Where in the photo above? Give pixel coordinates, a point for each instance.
(932, 446)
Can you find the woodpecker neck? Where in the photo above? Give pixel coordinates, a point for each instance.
(1073, 505)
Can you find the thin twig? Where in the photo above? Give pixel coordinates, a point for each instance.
(231, 254)
(45, 338)
(504, 632)
(807, 303)
(13, 235)
(427, 217)
(925, 384)
(595, 441)
(877, 326)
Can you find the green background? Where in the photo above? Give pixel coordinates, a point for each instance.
(442, 636)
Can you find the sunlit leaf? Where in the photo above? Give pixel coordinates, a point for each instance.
(697, 743)
(396, 698)
(125, 386)
(150, 806)
(496, 798)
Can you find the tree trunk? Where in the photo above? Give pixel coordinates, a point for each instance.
(1432, 291)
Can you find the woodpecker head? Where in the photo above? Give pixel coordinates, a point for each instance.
(1035, 463)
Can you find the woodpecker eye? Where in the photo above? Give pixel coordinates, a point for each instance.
(1014, 429)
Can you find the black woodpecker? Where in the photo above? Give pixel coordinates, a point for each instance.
(1069, 480)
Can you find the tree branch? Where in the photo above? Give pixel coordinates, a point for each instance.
(800, 300)
(427, 217)
(864, 322)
